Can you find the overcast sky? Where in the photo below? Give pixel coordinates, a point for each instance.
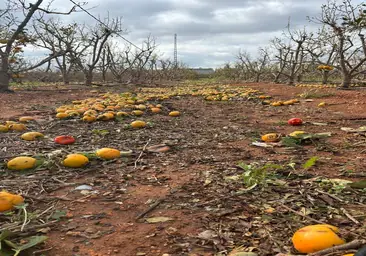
(210, 32)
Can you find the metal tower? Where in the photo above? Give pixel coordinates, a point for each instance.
(175, 51)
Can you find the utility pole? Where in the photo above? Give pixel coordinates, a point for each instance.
(175, 52)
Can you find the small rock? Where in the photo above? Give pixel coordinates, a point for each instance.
(90, 230)
(84, 187)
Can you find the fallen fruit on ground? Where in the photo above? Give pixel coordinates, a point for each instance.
(32, 136)
(295, 121)
(108, 153)
(137, 112)
(75, 161)
(25, 119)
(271, 137)
(314, 238)
(155, 110)
(3, 128)
(174, 113)
(138, 124)
(17, 127)
(122, 113)
(277, 103)
(64, 140)
(89, 118)
(21, 163)
(296, 133)
(106, 116)
(322, 104)
(9, 200)
(62, 115)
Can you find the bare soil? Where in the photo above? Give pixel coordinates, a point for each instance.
(190, 181)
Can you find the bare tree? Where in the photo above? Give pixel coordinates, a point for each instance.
(13, 35)
(255, 67)
(90, 44)
(56, 37)
(346, 23)
(323, 50)
(134, 64)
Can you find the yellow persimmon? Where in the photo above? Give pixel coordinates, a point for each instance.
(314, 238)
(75, 160)
(108, 153)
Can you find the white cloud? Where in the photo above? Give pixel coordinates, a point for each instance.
(210, 32)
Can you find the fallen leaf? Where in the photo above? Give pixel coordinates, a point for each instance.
(359, 184)
(158, 219)
(207, 235)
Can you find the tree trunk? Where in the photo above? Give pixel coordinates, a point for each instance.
(277, 78)
(299, 78)
(325, 77)
(65, 78)
(257, 77)
(346, 80)
(88, 78)
(104, 75)
(4, 76)
(291, 80)
(4, 81)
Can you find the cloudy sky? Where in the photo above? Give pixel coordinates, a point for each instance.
(210, 32)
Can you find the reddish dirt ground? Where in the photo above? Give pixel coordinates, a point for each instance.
(209, 137)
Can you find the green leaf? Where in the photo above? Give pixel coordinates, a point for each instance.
(57, 215)
(310, 163)
(6, 252)
(359, 184)
(33, 241)
(5, 234)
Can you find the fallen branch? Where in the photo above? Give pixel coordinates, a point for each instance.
(356, 244)
(142, 152)
(302, 215)
(152, 207)
(336, 250)
(328, 194)
(349, 216)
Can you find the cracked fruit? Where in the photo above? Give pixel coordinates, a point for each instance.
(271, 137)
(89, 118)
(314, 238)
(75, 161)
(17, 127)
(64, 140)
(21, 163)
(32, 136)
(108, 153)
(8, 200)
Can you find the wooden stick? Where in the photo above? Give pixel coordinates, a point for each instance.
(143, 150)
(356, 244)
(302, 215)
(328, 194)
(152, 207)
(349, 216)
